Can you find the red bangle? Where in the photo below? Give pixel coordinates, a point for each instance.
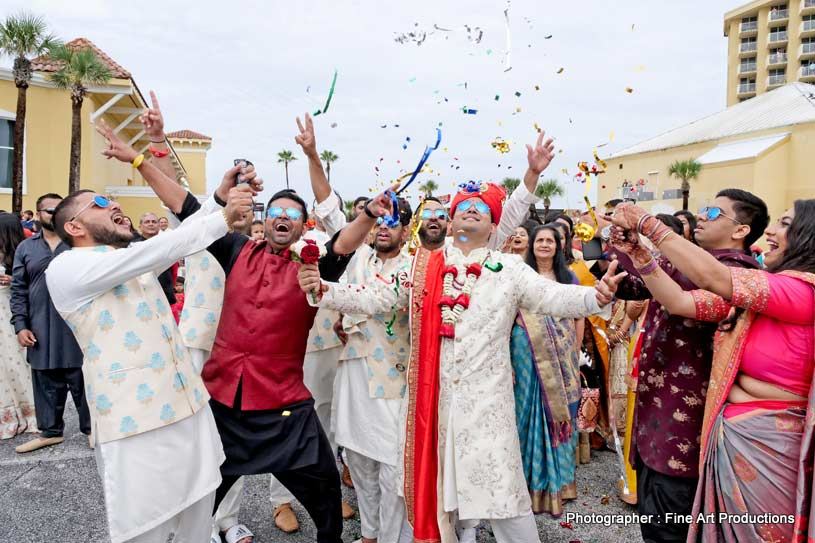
(158, 154)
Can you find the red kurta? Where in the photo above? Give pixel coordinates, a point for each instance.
(262, 335)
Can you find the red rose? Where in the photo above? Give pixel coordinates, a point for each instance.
(451, 269)
(474, 269)
(310, 253)
(447, 330)
(463, 300)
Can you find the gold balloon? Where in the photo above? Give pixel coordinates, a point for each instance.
(584, 232)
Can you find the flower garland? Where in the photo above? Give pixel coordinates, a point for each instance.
(452, 308)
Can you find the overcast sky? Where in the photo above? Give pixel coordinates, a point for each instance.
(241, 71)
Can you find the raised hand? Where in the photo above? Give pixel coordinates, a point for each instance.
(230, 180)
(628, 216)
(153, 121)
(607, 286)
(541, 155)
(306, 139)
(382, 204)
(116, 147)
(239, 206)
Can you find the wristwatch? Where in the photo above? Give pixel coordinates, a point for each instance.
(368, 211)
(605, 233)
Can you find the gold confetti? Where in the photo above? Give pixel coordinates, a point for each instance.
(537, 87)
(629, 90)
(500, 145)
(611, 136)
(640, 68)
(537, 128)
(561, 70)
(517, 110)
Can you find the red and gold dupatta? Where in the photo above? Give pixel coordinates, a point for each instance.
(421, 460)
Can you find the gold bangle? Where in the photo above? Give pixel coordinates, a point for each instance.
(138, 161)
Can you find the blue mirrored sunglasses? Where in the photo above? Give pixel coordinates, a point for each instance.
(291, 212)
(430, 213)
(98, 201)
(712, 213)
(481, 207)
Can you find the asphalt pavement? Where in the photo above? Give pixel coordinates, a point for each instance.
(54, 495)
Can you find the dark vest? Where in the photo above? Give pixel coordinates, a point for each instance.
(262, 335)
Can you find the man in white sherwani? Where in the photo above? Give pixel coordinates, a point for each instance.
(158, 450)
(461, 456)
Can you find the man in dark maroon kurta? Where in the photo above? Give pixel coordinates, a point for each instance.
(674, 368)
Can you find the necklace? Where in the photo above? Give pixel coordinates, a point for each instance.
(453, 306)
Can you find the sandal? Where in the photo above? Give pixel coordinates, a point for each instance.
(239, 534)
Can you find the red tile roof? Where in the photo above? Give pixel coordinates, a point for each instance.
(45, 64)
(188, 135)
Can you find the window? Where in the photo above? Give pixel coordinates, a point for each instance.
(749, 24)
(808, 22)
(777, 77)
(6, 152)
(808, 67)
(748, 44)
(753, 19)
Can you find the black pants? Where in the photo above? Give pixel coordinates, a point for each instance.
(317, 487)
(50, 393)
(658, 494)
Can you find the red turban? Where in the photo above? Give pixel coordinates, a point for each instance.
(492, 195)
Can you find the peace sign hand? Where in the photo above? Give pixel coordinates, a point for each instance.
(541, 155)
(153, 121)
(607, 286)
(116, 147)
(306, 138)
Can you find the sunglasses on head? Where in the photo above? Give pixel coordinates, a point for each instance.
(98, 201)
(428, 214)
(481, 207)
(291, 212)
(711, 213)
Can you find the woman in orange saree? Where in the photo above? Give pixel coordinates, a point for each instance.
(757, 447)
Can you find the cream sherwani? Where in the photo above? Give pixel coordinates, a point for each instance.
(479, 452)
(158, 450)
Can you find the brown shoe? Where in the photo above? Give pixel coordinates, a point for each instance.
(346, 477)
(38, 443)
(347, 511)
(285, 519)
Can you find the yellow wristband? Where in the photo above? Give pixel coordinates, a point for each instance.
(138, 161)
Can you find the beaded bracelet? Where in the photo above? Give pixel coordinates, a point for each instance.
(649, 268)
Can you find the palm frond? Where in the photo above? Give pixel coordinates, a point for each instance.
(549, 189)
(25, 34)
(79, 68)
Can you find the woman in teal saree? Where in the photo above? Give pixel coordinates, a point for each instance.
(544, 353)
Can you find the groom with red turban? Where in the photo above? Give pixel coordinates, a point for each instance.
(461, 459)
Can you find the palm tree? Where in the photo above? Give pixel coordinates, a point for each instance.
(22, 36)
(80, 67)
(686, 170)
(349, 208)
(428, 187)
(548, 190)
(510, 184)
(328, 157)
(285, 157)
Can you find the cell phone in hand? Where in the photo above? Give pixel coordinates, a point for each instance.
(592, 250)
(246, 164)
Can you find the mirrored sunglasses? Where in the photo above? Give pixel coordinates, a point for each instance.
(98, 201)
(291, 212)
(711, 213)
(481, 207)
(428, 214)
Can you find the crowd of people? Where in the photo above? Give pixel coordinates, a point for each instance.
(458, 363)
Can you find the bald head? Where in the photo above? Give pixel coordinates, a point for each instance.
(148, 225)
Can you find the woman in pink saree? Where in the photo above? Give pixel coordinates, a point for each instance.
(757, 447)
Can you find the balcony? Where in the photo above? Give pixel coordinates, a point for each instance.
(776, 81)
(807, 27)
(807, 6)
(748, 49)
(775, 38)
(746, 89)
(807, 73)
(778, 16)
(778, 59)
(806, 50)
(745, 69)
(749, 28)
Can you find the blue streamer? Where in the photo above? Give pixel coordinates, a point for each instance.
(427, 151)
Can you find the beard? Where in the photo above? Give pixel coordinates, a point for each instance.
(47, 226)
(432, 238)
(387, 247)
(109, 236)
